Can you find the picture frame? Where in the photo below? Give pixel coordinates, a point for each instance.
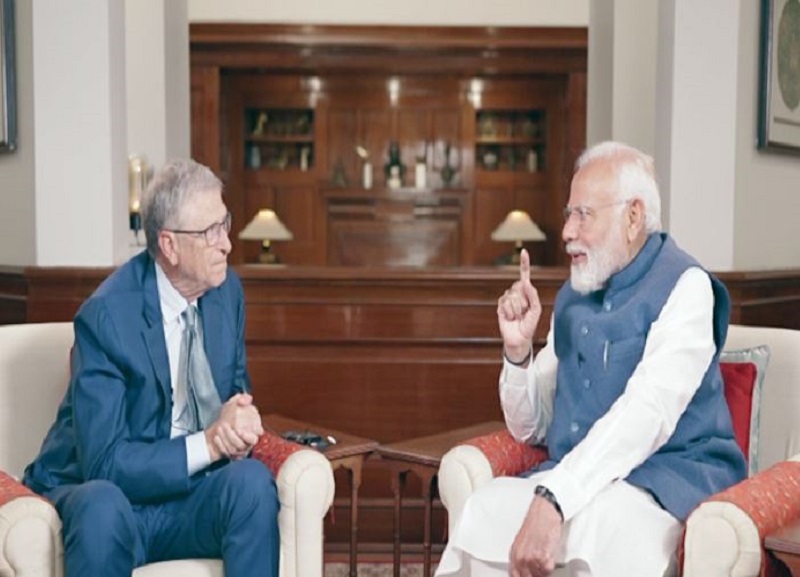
(779, 82)
(8, 79)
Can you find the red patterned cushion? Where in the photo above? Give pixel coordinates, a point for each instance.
(273, 451)
(11, 489)
(743, 373)
(740, 379)
(506, 456)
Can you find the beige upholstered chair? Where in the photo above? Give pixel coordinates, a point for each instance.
(34, 369)
(724, 535)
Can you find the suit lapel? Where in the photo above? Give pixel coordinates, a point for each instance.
(154, 331)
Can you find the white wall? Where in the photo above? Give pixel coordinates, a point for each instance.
(421, 12)
(157, 73)
(80, 139)
(698, 163)
(623, 44)
(17, 190)
(767, 191)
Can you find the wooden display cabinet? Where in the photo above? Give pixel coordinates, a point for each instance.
(495, 116)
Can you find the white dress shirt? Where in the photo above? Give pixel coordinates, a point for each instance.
(173, 304)
(678, 350)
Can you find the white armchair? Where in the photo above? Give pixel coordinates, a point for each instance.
(724, 535)
(34, 370)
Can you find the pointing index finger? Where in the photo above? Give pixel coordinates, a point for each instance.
(524, 266)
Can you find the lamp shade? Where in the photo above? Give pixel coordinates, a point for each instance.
(516, 227)
(266, 226)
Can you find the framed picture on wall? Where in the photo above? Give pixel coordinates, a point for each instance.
(8, 108)
(779, 86)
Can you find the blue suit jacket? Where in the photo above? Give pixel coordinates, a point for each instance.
(114, 421)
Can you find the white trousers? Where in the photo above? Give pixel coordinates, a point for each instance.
(622, 532)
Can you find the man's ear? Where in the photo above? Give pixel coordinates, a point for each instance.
(635, 218)
(168, 245)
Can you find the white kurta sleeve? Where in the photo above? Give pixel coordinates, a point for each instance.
(678, 350)
(526, 394)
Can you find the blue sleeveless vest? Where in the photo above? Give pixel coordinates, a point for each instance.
(599, 341)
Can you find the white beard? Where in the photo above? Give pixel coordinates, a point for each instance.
(600, 264)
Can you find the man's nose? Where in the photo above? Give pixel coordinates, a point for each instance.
(226, 245)
(570, 230)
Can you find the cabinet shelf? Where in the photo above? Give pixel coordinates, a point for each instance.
(514, 140)
(291, 138)
(510, 141)
(279, 139)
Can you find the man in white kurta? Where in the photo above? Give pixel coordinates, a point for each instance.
(582, 514)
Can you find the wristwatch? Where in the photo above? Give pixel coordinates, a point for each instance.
(547, 495)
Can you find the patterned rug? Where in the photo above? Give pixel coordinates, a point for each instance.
(374, 570)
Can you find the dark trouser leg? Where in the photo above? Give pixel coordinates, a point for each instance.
(99, 529)
(231, 513)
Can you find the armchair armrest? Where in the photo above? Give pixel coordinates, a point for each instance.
(30, 532)
(725, 534)
(305, 489)
(474, 463)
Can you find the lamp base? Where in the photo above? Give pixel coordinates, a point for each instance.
(268, 257)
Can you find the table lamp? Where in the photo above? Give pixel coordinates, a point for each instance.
(266, 227)
(517, 228)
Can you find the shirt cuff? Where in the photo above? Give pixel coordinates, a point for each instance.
(566, 490)
(198, 456)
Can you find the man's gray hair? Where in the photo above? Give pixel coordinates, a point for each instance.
(173, 187)
(636, 177)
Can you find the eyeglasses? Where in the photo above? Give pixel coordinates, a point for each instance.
(583, 212)
(213, 234)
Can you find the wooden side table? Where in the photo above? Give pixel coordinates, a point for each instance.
(785, 545)
(422, 457)
(349, 453)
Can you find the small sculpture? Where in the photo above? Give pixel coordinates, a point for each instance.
(261, 124)
(394, 168)
(447, 172)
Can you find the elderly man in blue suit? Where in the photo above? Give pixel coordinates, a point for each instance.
(147, 459)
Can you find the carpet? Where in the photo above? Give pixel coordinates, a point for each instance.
(374, 569)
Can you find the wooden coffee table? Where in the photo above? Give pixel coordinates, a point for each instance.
(349, 453)
(785, 545)
(422, 457)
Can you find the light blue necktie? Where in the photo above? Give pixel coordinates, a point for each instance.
(194, 374)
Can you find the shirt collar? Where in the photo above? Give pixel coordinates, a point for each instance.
(172, 302)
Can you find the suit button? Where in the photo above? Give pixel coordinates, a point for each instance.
(584, 330)
(607, 306)
(587, 383)
(574, 427)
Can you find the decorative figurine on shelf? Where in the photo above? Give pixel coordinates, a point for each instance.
(490, 159)
(254, 157)
(447, 172)
(533, 160)
(339, 178)
(421, 168)
(366, 168)
(305, 155)
(394, 168)
(261, 124)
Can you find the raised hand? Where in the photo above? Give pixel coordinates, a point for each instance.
(518, 312)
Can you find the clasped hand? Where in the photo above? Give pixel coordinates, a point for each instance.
(518, 312)
(236, 430)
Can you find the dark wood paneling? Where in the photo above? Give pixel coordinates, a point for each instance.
(13, 295)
